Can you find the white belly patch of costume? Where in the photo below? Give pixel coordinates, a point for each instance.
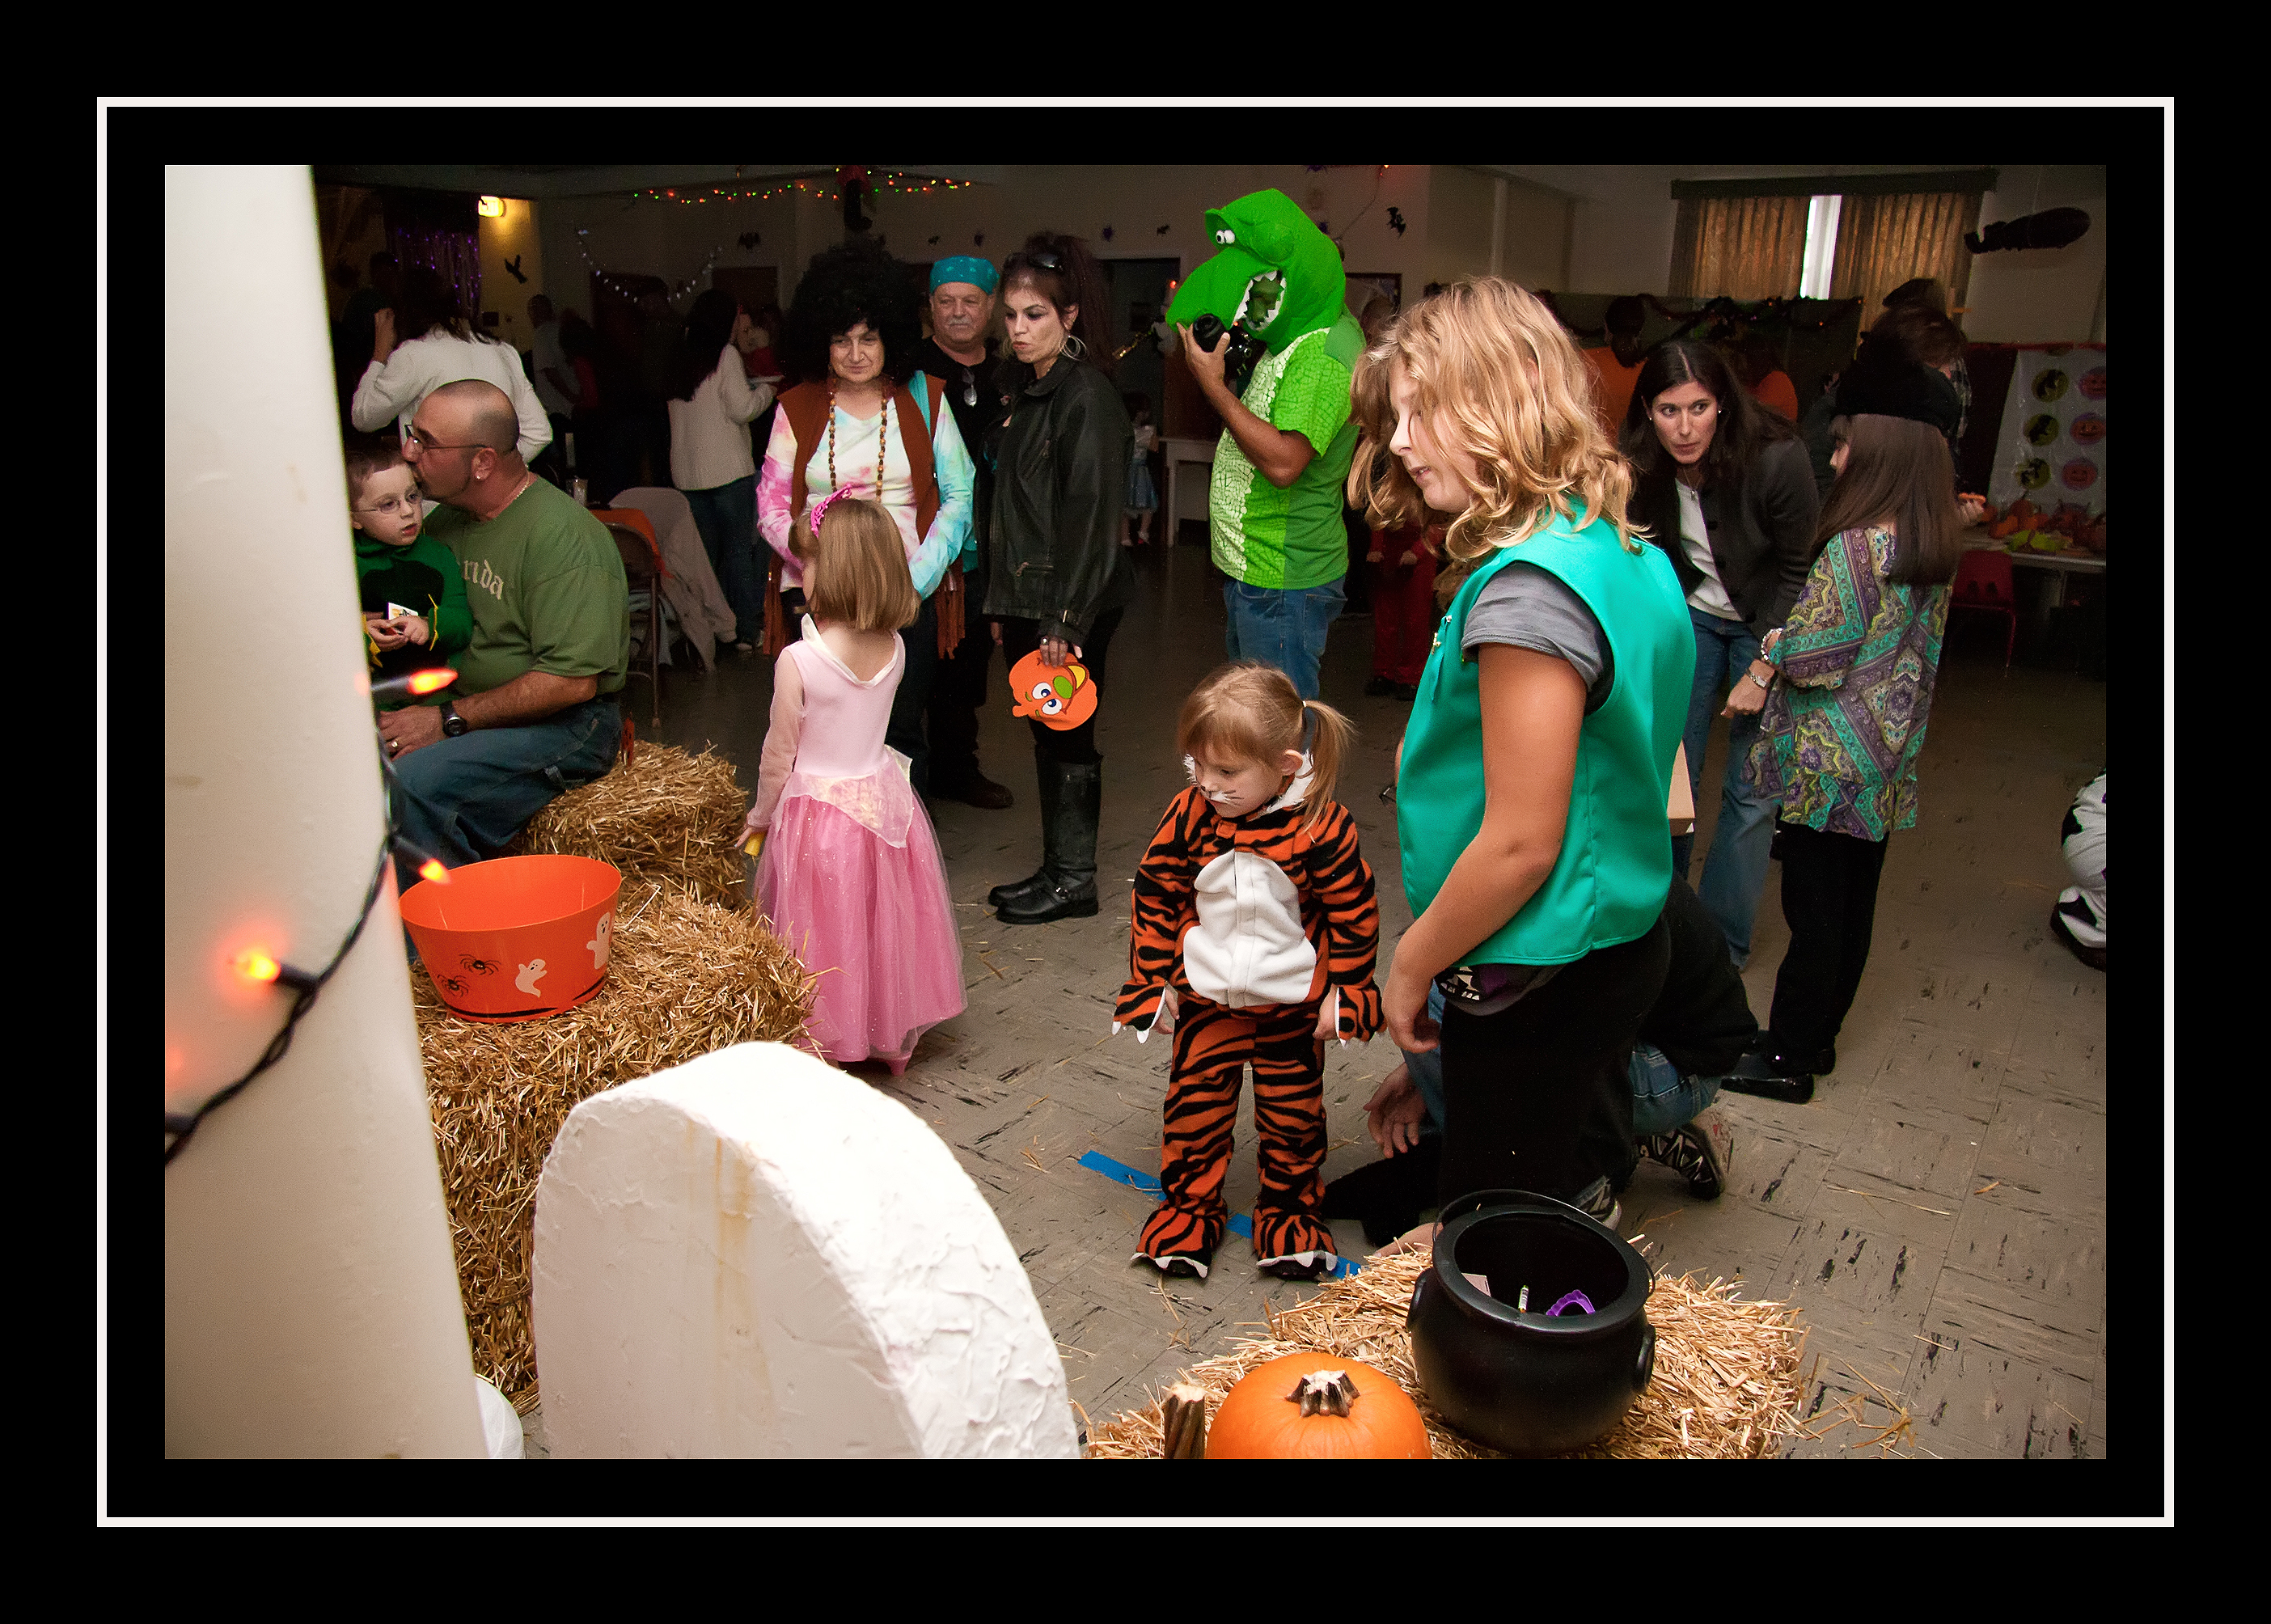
(1247, 946)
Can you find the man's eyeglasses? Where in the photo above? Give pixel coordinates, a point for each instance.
(393, 505)
(413, 437)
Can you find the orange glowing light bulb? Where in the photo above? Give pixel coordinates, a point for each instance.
(255, 965)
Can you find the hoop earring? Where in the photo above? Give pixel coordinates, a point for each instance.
(1073, 346)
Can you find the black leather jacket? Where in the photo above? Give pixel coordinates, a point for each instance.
(1762, 532)
(1059, 482)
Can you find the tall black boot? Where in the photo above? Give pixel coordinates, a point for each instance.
(1046, 773)
(1069, 871)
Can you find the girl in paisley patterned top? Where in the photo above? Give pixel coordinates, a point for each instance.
(1845, 696)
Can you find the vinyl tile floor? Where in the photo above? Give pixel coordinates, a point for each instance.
(1938, 1213)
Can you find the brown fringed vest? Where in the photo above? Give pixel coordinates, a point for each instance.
(807, 406)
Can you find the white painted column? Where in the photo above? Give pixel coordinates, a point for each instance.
(311, 1299)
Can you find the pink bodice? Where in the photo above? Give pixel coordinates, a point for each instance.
(845, 719)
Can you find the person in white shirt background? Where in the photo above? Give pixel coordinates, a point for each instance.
(443, 348)
(710, 456)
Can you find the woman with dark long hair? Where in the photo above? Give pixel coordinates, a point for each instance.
(1057, 579)
(1723, 486)
(1843, 722)
(442, 346)
(864, 421)
(709, 458)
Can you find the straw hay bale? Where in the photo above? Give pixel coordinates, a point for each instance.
(1726, 1383)
(669, 817)
(683, 977)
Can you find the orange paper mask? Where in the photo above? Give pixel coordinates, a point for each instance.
(1058, 696)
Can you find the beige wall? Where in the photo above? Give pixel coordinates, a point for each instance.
(1534, 239)
(515, 234)
(1460, 204)
(2044, 294)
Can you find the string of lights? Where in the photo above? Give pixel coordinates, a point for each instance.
(255, 965)
(674, 292)
(889, 180)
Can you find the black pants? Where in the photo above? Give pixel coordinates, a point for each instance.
(957, 693)
(906, 732)
(1829, 899)
(1536, 1098)
(1074, 746)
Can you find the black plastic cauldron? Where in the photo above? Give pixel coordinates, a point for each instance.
(1528, 1383)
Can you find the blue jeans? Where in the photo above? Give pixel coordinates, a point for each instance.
(463, 799)
(1662, 1098)
(727, 515)
(1736, 869)
(1283, 626)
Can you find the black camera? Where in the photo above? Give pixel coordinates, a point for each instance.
(1238, 361)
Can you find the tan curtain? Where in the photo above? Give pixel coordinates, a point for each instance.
(1883, 242)
(1743, 248)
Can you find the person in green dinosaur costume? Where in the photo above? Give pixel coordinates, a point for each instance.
(1274, 506)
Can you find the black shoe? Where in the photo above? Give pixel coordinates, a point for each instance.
(1069, 892)
(1003, 896)
(1700, 1151)
(2094, 956)
(1769, 1076)
(1825, 1060)
(1387, 1195)
(1056, 900)
(977, 790)
(1380, 686)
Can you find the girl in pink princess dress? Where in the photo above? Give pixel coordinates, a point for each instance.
(848, 868)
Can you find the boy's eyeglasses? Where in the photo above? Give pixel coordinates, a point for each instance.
(393, 505)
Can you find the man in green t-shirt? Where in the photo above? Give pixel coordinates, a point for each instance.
(1276, 499)
(534, 710)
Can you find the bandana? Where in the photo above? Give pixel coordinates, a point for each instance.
(980, 274)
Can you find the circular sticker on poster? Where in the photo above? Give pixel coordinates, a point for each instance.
(2092, 384)
(2050, 384)
(2087, 429)
(2080, 474)
(2035, 473)
(2042, 429)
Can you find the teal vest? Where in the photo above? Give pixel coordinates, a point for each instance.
(1609, 883)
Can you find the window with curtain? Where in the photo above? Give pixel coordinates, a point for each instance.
(1884, 240)
(1740, 247)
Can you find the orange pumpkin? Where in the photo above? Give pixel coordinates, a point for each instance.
(1313, 1406)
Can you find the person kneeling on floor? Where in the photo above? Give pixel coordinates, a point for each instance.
(1694, 1033)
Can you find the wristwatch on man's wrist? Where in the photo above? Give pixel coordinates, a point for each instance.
(452, 724)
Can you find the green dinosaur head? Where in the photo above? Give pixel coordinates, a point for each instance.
(1276, 273)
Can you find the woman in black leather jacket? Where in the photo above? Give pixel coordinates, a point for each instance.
(1058, 579)
(1723, 486)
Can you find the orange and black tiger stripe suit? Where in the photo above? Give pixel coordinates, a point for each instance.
(1239, 931)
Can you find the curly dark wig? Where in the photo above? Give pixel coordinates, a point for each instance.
(854, 282)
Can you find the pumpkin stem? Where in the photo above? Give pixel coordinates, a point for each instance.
(1328, 1392)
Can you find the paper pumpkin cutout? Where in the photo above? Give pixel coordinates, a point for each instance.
(1059, 697)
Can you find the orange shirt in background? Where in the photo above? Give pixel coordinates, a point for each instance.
(1614, 385)
(1778, 393)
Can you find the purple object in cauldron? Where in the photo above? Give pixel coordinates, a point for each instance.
(1578, 1299)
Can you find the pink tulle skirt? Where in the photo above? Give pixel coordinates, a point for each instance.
(873, 920)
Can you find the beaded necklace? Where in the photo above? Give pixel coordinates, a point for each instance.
(883, 433)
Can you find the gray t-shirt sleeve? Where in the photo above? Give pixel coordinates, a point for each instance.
(1525, 606)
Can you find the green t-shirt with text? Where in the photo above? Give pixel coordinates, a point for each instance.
(547, 589)
(1294, 538)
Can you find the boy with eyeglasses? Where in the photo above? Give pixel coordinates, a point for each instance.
(415, 613)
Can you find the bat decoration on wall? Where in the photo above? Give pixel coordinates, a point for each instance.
(1395, 220)
(513, 265)
(749, 238)
(934, 242)
(2051, 228)
(1161, 232)
(1107, 234)
(978, 241)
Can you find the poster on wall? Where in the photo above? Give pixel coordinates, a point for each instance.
(2053, 450)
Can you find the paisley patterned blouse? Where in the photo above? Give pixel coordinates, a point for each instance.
(1842, 731)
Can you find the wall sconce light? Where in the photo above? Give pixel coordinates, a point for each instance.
(491, 208)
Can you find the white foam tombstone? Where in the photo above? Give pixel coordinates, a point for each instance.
(754, 1254)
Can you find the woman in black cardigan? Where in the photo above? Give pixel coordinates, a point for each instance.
(1723, 486)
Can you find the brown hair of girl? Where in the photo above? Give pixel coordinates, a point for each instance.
(857, 573)
(1249, 711)
(1897, 471)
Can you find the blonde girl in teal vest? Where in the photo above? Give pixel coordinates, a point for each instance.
(1534, 775)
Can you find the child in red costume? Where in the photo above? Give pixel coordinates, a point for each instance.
(1403, 612)
(1253, 933)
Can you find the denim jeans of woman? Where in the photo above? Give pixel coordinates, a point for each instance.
(727, 515)
(1735, 870)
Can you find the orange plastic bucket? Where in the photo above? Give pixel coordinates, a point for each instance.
(517, 938)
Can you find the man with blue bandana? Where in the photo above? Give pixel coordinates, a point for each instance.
(959, 354)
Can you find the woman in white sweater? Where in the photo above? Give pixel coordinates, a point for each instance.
(710, 456)
(446, 348)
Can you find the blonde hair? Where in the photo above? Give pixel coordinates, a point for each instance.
(1251, 712)
(857, 572)
(1494, 375)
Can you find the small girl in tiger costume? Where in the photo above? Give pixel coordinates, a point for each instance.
(1255, 930)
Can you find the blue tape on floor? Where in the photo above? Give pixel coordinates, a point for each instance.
(1241, 1225)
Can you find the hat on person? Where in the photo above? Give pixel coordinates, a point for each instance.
(980, 274)
(1883, 382)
